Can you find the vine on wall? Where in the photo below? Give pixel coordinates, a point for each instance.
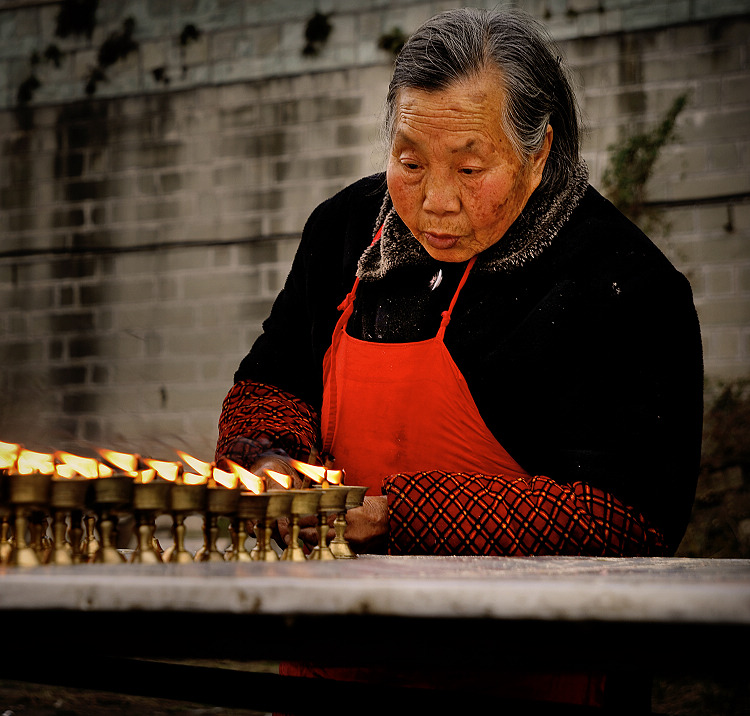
(393, 41)
(118, 45)
(631, 163)
(78, 18)
(317, 31)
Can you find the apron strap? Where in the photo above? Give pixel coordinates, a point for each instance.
(447, 314)
(350, 296)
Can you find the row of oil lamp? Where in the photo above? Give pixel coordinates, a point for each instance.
(60, 508)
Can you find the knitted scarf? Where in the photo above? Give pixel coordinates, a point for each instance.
(533, 231)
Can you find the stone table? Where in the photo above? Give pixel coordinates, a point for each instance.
(617, 614)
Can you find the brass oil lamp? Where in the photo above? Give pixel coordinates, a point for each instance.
(151, 498)
(251, 509)
(305, 502)
(112, 497)
(70, 489)
(187, 498)
(339, 546)
(28, 494)
(222, 499)
(332, 502)
(8, 457)
(279, 505)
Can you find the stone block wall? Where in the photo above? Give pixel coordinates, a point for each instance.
(144, 242)
(147, 227)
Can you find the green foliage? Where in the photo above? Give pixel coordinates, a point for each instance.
(317, 30)
(720, 521)
(631, 163)
(161, 75)
(190, 33)
(76, 17)
(118, 45)
(726, 431)
(393, 41)
(32, 83)
(96, 75)
(26, 89)
(54, 55)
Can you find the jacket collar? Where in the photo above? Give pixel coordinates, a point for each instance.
(531, 233)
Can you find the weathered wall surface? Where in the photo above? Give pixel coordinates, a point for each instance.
(147, 227)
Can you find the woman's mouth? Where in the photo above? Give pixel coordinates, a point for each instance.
(441, 242)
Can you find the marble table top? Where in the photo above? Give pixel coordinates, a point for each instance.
(670, 590)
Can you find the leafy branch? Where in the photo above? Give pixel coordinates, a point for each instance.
(631, 163)
(317, 30)
(393, 41)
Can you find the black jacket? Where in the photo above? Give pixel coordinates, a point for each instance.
(584, 359)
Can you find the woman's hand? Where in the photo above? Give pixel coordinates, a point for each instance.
(367, 526)
(366, 529)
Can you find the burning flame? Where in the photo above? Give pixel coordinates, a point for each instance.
(168, 470)
(122, 460)
(314, 472)
(191, 478)
(202, 468)
(8, 455)
(284, 480)
(227, 479)
(335, 477)
(66, 471)
(84, 466)
(144, 476)
(249, 480)
(30, 462)
(319, 474)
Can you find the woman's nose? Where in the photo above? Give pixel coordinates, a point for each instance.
(440, 194)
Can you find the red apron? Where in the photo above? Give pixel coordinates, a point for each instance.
(403, 407)
(406, 407)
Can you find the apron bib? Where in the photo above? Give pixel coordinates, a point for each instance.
(403, 407)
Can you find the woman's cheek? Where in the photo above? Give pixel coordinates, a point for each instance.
(404, 195)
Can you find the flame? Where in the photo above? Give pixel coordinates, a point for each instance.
(8, 454)
(249, 480)
(105, 470)
(202, 468)
(319, 474)
(191, 478)
(284, 480)
(30, 462)
(314, 472)
(122, 460)
(167, 470)
(335, 477)
(145, 476)
(66, 471)
(227, 479)
(85, 466)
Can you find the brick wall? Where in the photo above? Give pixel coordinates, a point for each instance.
(147, 228)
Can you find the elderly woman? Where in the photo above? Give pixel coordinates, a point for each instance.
(507, 362)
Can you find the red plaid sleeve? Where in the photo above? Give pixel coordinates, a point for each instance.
(440, 513)
(256, 417)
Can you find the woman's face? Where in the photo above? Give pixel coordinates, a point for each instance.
(453, 176)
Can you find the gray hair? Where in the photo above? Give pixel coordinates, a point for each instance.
(460, 44)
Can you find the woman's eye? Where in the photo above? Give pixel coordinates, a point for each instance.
(469, 171)
(410, 165)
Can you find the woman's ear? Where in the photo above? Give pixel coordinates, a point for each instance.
(539, 160)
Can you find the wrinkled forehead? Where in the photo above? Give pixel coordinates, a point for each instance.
(467, 114)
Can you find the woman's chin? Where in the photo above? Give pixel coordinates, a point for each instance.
(450, 254)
